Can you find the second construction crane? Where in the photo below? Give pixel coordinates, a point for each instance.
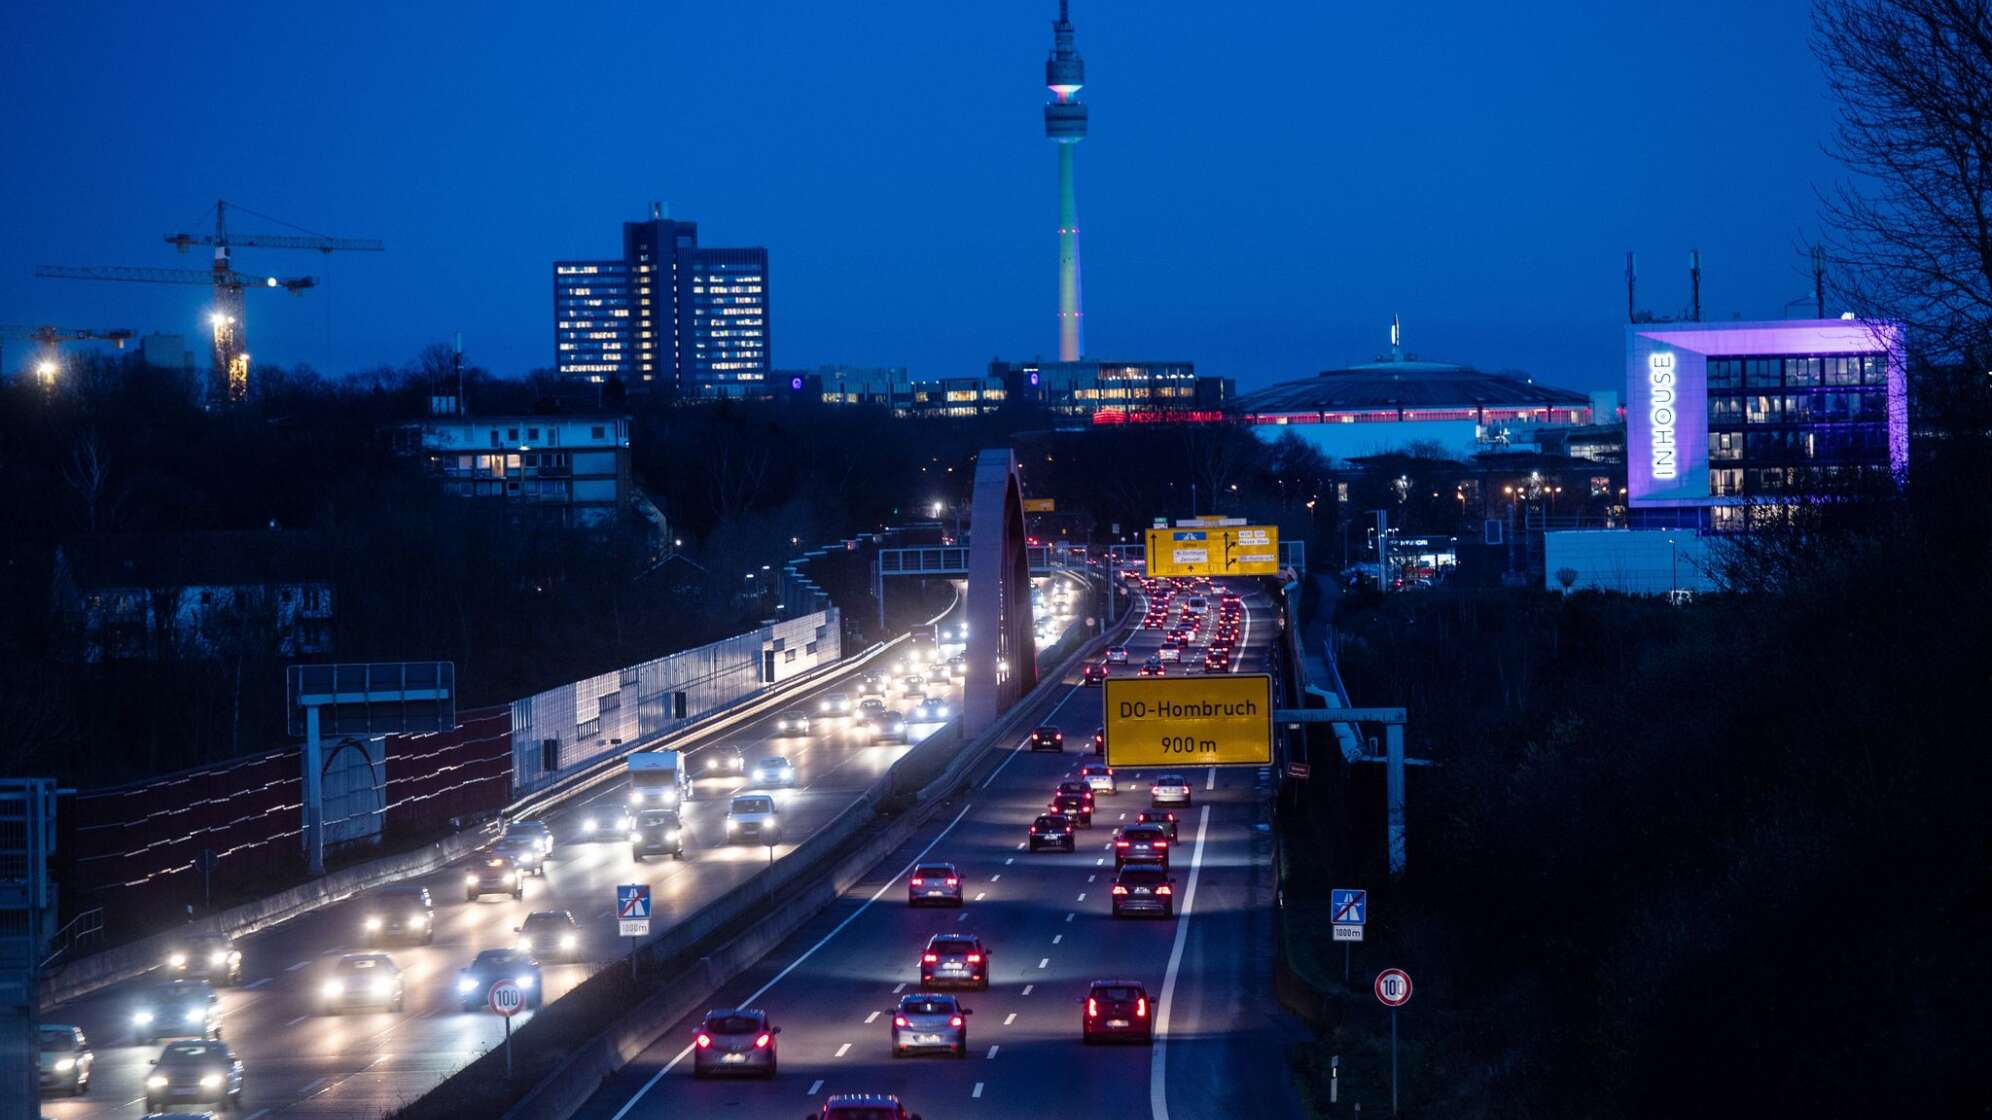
(229, 381)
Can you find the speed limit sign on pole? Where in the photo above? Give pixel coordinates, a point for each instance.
(506, 998)
(1393, 987)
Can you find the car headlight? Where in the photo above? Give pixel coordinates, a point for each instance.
(382, 986)
(731, 824)
(670, 835)
(525, 944)
(417, 921)
(568, 941)
(332, 988)
(373, 925)
(470, 880)
(506, 877)
(177, 960)
(156, 1081)
(64, 1065)
(195, 1014)
(210, 1081)
(523, 981)
(635, 837)
(588, 825)
(466, 984)
(898, 727)
(142, 1018)
(217, 957)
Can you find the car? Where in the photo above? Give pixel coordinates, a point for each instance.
(1216, 663)
(1116, 655)
(1099, 740)
(549, 935)
(523, 851)
(883, 724)
(1141, 843)
(1144, 889)
(536, 830)
(772, 772)
(1117, 1009)
(1100, 777)
(1171, 652)
(723, 761)
(957, 666)
(871, 684)
(740, 1040)
(204, 1072)
(752, 816)
(1053, 831)
(913, 685)
(795, 721)
(1161, 818)
(64, 1060)
(934, 882)
(1091, 675)
(954, 958)
(402, 911)
(209, 956)
(861, 1106)
(656, 832)
(929, 1021)
(1073, 805)
(835, 704)
(177, 1009)
(1048, 739)
(474, 980)
(931, 710)
(1169, 789)
(362, 980)
(1072, 783)
(608, 819)
(1153, 668)
(494, 874)
(869, 708)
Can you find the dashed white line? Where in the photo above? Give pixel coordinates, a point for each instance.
(872, 1018)
(296, 1021)
(996, 876)
(1055, 940)
(1158, 1101)
(258, 984)
(813, 1086)
(993, 1049)
(1068, 916)
(980, 895)
(1101, 862)
(1082, 896)
(898, 988)
(1090, 878)
(977, 1091)
(1210, 783)
(298, 965)
(963, 916)
(313, 1087)
(1009, 861)
(1043, 961)
(1011, 1018)
(1123, 816)
(257, 1115)
(1028, 987)
(842, 1050)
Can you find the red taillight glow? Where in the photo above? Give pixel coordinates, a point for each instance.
(930, 958)
(954, 882)
(975, 958)
(1092, 1008)
(1120, 843)
(704, 1040)
(955, 1022)
(1164, 889)
(919, 881)
(1118, 889)
(761, 1043)
(899, 1020)
(1141, 1007)
(1161, 844)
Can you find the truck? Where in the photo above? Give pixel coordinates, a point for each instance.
(658, 779)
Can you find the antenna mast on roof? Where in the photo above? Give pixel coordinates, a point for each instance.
(1819, 281)
(1695, 283)
(1631, 284)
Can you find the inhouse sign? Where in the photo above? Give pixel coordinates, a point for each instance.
(1660, 414)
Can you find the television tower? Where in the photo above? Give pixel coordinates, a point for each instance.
(1065, 125)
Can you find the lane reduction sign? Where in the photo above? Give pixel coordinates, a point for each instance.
(1190, 721)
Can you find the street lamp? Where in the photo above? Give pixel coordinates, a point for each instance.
(46, 370)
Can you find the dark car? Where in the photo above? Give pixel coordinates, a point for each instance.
(656, 832)
(492, 965)
(1099, 740)
(209, 957)
(204, 1072)
(1161, 818)
(362, 980)
(737, 1041)
(861, 1106)
(934, 882)
(1153, 668)
(1117, 1009)
(493, 875)
(726, 761)
(1073, 805)
(1048, 739)
(1144, 889)
(929, 1021)
(1079, 786)
(549, 935)
(1141, 843)
(954, 958)
(1091, 675)
(177, 1009)
(400, 912)
(1053, 831)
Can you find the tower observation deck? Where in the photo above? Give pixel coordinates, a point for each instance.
(1065, 125)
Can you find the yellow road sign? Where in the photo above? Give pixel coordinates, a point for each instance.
(1040, 505)
(1230, 550)
(1190, 721)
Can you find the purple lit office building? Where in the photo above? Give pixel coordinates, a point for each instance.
(1724, 417)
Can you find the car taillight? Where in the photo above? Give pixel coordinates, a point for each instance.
(917, 881)
(761, 1042)
(1141, 1007)
(1118, 889)
(954, 882)
(930, 958)
(1120, 843)
(1161, 845)
(899, 1020)
(1092, 1008)
(975, 958)
(704, 1040)
(955, 1022)
(1164, 889)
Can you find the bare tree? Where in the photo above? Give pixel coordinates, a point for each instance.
(88, 472)
(1913, 238)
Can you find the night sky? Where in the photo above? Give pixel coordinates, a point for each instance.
(1257, 195)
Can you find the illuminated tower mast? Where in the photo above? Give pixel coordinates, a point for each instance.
(1065, 125)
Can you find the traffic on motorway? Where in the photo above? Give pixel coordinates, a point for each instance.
(1025, 953)
(357, 1007)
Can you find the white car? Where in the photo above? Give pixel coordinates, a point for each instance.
(1117, 655)
(752, 816)
(1099, 777)
(835, 704)
(931, 710)
(795, 721)
(1169, 789)
(771, 772)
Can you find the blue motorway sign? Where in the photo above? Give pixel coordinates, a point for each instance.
(1349, 906)
(633, 901)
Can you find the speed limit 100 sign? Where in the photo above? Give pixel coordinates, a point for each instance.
(507, 998)
(1393, 987)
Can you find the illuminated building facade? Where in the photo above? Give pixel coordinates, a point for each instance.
(669, 313)
(1109, 392)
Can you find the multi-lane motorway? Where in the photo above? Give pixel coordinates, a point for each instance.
(1045, 917)
(299, 1062)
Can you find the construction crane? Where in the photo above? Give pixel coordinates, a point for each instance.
(230, 379)
(46, 366)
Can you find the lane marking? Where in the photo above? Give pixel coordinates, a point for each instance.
(992, 1051)
(1123, 816)
(1022, 748)
(1090, 878)
(842, 1050)
(1011, 1018)
(296, 1021)
(1042, 961)
(1020, 847)
(1009, 861)
(308, 1089)
(977, 1091)
(1057, 939)
(258, 1114)
(1158, 1065)
(1068, 916)
(1101, 862)
(298, 965)
(813, 1086)
(979, 896)
(898, 988)
(1210, 783)
(996, 876)
(797, 963)
(258, 984)
(872, 1018)
(1082, 896)
(1028, 987)
(962, 917)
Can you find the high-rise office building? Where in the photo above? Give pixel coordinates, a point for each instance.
(668, 313)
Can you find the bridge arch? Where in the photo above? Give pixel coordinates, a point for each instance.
(1002, 643)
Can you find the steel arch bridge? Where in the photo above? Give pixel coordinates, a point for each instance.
(1002, 650)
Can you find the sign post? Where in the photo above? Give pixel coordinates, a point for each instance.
(633, 916)
(1349, 909)
(1393, 990)
(506, 999)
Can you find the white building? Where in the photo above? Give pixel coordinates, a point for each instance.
(573, 466)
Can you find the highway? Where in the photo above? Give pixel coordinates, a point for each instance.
(1046, 920)
(302, 1063)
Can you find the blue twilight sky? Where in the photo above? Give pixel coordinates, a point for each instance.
(1265, 183)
